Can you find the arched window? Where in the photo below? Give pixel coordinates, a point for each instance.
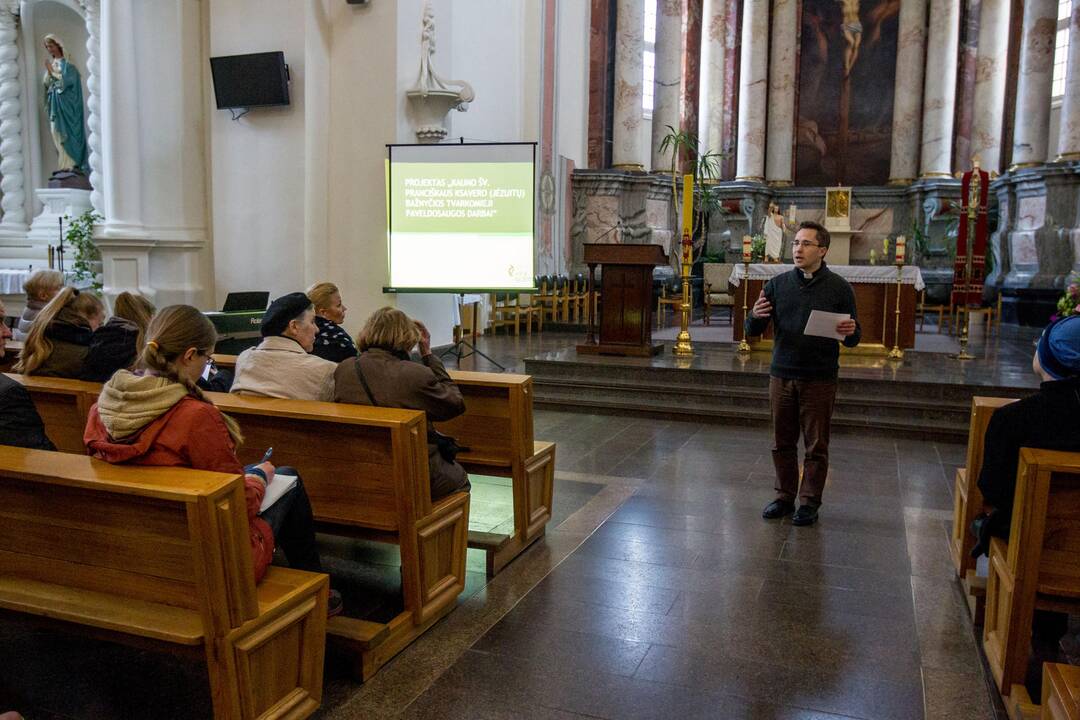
(1061, 49)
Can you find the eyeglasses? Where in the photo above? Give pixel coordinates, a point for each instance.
(803, 243)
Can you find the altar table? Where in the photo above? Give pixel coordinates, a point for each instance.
(875, 301)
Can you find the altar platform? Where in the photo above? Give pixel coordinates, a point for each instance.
(925, 395)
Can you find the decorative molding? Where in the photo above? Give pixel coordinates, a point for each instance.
(92, 17)
(432, 97)
(12, 179)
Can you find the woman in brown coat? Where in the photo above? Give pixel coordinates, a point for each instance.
(383, 374)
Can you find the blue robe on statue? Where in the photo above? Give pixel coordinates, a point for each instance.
(64, 103)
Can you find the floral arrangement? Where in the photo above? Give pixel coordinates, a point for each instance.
(1069, 304)
(757, 248)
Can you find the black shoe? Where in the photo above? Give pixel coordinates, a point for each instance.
(778, 509)
(805, 515)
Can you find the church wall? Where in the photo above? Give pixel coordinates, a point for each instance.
(257, 173)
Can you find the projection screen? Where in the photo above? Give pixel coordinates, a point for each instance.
(461, 217)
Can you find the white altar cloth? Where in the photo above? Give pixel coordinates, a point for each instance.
(877, 274)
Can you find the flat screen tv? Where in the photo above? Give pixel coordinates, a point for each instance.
(246, 81)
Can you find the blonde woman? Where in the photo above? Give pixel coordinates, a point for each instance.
(384, 375)
(117, 343)
(60, 339)
(158, 416)
(331, 341)
(40, 288)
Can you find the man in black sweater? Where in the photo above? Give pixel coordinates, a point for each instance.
(802, 383)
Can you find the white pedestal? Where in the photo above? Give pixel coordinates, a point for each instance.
(58, 202)
(839, 247)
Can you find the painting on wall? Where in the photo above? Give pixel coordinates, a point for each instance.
(847, 67)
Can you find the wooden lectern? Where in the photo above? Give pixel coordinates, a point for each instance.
(626, 313)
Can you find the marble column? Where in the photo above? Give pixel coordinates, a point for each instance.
(12, 179)
(990, 75)
(713, 52)
(750, 153)
(92, 12)
(780, 134)
(939, 97)
(667, 77)
(628, 152)
(907, 94)
(1033, 86)
(1069, 136)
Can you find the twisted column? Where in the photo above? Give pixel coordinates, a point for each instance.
(92, 16)
(13, 202)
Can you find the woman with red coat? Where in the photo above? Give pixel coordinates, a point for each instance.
(158, 416)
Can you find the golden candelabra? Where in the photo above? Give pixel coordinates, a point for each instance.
(972, 212)
(744, 347)
(896, 353)
(682, 341)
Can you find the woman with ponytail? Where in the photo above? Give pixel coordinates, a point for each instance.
(158, 416)
(117, 343)
(59, 340)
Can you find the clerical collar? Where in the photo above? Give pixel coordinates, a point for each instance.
(808, 276)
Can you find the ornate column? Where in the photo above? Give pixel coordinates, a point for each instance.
(781, 116)
(12, 182)
(939, 98)
(990, 72)
(667, 75)
(1069, 135)
(1032, 123)
(92, 15)
(627, 150)
(750, 153)
(907, 100)
(711, 102)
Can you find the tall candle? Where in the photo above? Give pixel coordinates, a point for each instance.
(746, 242)
(901, 248)
(688, 204)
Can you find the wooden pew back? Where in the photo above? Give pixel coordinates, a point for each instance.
(63, 406)
(70, 520)
(1039, 566)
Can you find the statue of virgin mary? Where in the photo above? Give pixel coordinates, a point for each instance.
(64, 105)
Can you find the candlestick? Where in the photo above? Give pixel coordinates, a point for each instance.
(896, 353)
(746, 244)
(682, 341)
(901, 249)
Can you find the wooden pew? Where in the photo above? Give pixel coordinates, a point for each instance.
(63, 406)
(1039, 566)
(1060, 692)
(497, 427)
(365, 470)
(968, 502)
(161, 556)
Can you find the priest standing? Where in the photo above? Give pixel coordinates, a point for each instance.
(803, 375)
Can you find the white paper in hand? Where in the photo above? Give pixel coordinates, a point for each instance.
(280, 485)
(823, 324)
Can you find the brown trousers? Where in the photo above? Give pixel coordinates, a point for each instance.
(801, 405)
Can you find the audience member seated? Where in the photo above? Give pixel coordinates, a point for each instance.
(1044, 420)
(384, 375)
(280, 365)
(40, 288)
(331, 342)
(59, 340)
(158, 416)
(20, 424)
(116, 344)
